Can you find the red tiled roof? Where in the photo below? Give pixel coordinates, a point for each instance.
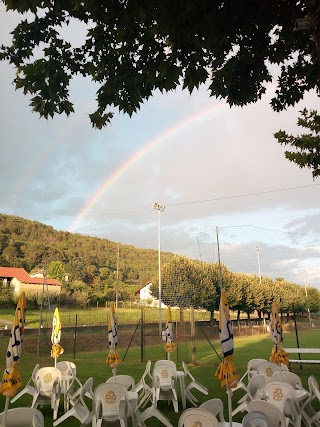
(23, 276)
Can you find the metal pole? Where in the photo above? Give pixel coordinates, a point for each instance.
(159, 263)
(218, 246)
(117, 287)
(258, 254)
(159, 208)
(305, 288)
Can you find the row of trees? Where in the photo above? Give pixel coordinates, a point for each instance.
(188, 283)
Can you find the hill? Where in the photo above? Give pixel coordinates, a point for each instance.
(33, 245)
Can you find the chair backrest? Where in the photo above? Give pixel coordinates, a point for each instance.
(113, 399)
(197, 417)
(45, 379)
(254, 363)
(125, 380)
(165, 362)
(288, 377)
(147, 372)
(255, 384)
(277, 393)
(165, 375)
(186, 371)
(313, 386)
(27, 417)
(67, 368)
(215, 406)
(267, 369)
(86, 388)
(274, 414)
(34, 372)
(256, 419)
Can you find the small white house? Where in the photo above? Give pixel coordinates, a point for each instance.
(147, 297)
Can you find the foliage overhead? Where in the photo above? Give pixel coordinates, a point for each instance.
(135, 47)
(306, 147)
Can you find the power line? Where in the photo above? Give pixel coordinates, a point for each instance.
(241, 195)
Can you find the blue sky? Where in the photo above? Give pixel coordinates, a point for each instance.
(211, 166)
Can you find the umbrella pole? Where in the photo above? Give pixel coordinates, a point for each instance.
(229, 405)
(55, 361)
(5, 411)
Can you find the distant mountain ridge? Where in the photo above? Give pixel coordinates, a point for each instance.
(33, 245)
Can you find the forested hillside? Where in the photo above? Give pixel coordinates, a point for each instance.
(32, 245)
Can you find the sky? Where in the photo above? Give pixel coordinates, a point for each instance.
(218, 171)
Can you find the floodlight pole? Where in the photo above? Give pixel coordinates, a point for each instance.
(258, 254)
(160, 208)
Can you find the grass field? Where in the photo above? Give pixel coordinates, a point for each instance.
(93, 364)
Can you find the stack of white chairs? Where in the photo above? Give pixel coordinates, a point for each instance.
(80, 409)
(164, 384)
(70, 384)
(29, 388)
(110, 404)
(310, 409)
(192, 383)
(47, 389)
(22, 417)
(197, 417)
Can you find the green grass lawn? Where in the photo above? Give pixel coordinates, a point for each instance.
(94, 364)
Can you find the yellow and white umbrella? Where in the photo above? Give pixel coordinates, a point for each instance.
(169, 346)
(278, 355)
(11, 380)
(56, 349)
(227, 371)
(113, 358)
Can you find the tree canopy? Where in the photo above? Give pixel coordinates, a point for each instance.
(135, 47)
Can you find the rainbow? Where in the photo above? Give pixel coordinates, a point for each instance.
(200, 115)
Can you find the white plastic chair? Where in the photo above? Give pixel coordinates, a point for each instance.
(80, 409)
(293, 379)
(267, 369)
(310, 414)
(197, 417)
(275, 416)
(23, 417)
(164, 385)
(47, 385)
(192, 384)
(256, 419)
(146, 376)
(282, 395)
(70, 383)
(254, 391)
(110, 404)
(125, 380)
(152, 411)
(29, 388)
(215, 406)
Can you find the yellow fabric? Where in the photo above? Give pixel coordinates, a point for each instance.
(226, 372)
(113, 358)
(11, 380)
(56, 349)
(169, 346)
(278, 354)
